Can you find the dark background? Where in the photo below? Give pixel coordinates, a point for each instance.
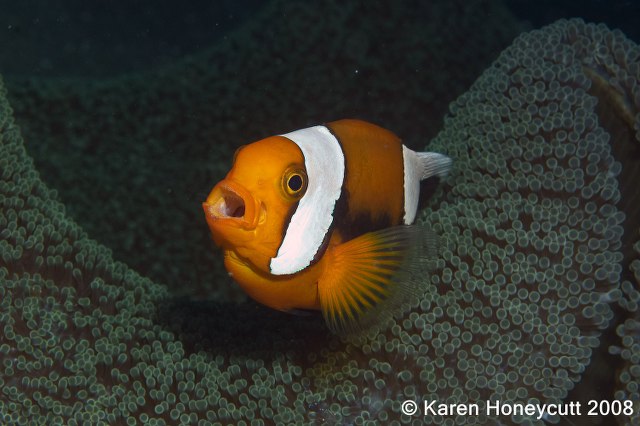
(95, 39)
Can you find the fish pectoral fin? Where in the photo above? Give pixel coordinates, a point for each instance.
(369, 277)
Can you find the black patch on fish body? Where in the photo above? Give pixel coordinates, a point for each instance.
(351, 226)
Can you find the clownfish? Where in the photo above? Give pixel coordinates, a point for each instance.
(321, 219)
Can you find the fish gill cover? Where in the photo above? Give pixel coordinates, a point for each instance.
(534, 250)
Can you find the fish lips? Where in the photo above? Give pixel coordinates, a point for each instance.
(230, 206)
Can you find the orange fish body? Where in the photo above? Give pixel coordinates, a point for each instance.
(319, 219)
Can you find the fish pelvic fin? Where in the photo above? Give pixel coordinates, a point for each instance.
(369, 277)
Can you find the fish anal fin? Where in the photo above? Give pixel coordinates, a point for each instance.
(368, 277)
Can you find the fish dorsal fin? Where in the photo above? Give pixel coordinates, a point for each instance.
(368, 277)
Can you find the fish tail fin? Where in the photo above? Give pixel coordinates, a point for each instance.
(433, 164)
(369, 277)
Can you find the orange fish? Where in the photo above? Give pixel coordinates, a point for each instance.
(320, 219)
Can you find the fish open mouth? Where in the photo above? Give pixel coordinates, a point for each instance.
(229, 200)
(228, 205)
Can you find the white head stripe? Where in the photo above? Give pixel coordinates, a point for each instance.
(324, 161)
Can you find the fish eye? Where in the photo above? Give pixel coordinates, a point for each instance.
(295, 183)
